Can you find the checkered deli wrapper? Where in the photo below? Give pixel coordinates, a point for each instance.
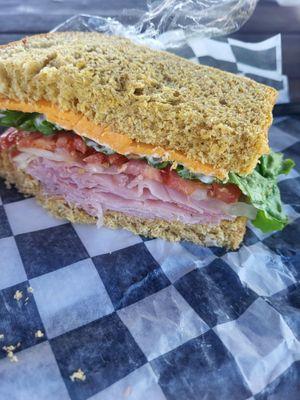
(92, 313)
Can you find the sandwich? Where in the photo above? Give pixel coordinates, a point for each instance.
(104, 131)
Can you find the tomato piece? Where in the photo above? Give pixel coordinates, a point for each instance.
(65, 140)
(97, 158)
(228, 193)
(70, 143)
(79, 144)
(37, 140)
(117, 159)
(10, 138)
(14, 152)
(186, 186)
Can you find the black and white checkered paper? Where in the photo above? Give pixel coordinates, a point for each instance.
(149, 319)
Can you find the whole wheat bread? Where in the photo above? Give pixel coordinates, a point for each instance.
(154, 97)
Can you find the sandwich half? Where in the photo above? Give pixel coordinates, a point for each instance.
(105, 131)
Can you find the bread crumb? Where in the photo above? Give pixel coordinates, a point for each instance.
(30, 289)
(10, 352)
(1, 336)
(12, 357)
(39, 334)
(18, 295)
(78, 375)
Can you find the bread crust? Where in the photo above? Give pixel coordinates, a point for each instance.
(154, 97)
(226, 234)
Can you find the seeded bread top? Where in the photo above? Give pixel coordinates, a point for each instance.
(154, 97)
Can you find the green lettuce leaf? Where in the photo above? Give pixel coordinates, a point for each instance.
(262, 190)
(273, 164)
(30, 122)
(185, 173)
(157, 163)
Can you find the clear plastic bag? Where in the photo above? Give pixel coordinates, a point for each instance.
(152, 20)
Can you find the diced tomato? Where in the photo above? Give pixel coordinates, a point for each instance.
(186, 186)
(10, 138)
(79, 144)
(38, 140)
(71, 143)
(117, 159)
(14, 152)
(65, 140)
(97, 158)
(228, 193)
(100, 158)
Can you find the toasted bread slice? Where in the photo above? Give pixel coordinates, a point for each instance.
(153, 98)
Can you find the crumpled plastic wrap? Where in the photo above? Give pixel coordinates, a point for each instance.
(149, 319)
(185, 19)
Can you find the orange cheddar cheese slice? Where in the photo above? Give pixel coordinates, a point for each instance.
(104, 135)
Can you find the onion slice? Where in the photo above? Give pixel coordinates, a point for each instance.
(240, 209)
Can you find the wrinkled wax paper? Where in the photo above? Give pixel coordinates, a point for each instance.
(149, 319)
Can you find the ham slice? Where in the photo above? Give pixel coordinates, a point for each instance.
(126, 189)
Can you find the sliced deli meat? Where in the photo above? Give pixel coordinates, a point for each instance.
(134, 195)
(96, 182)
